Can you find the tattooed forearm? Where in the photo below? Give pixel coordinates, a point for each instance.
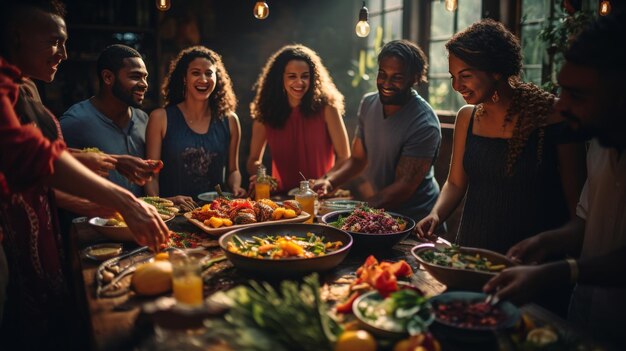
(412, 170)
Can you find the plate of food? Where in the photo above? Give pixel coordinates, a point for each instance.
(102, 252)
(165, 207)
(113, 228)
(405, 311)
(460, 267)
(279, 249)
(223, 215)
(212, 195)
(371, 228)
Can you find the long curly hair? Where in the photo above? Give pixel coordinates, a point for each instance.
(271, 106)
(489, 47)
(221, 102)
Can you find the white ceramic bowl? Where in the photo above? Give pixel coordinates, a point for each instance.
(111, 232)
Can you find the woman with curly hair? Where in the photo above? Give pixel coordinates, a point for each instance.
(511, 160)
(297, 111)
(197, 134)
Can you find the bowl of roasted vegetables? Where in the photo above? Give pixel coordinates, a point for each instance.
(286, 249)
(460, 267)
(371, 228)
(465, 315)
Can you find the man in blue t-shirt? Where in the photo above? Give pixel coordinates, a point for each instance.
(397, 138)
(112, 121)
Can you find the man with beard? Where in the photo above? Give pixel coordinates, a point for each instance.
(397, 138)
(112, 120)
(593, 100)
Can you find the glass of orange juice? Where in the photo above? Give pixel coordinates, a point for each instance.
(186, 279)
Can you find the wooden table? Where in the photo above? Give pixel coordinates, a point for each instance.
(115, 323)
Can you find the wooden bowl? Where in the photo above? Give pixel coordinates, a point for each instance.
(459, 278)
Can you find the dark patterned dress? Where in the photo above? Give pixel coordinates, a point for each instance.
(193, 163)
(500, 209)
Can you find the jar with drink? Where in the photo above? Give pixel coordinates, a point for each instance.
(306, 198)
(262, 185)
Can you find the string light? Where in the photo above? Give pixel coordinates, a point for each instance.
(450, 5)
(605, 7)
(362, 27)
(261, 10)
(163, 5)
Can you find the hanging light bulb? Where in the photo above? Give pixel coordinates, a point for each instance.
(362, 27)
(450, 5)
(163, 5)
(605, 7)
(261, 10)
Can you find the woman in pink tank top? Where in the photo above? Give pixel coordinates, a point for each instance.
(298, 111)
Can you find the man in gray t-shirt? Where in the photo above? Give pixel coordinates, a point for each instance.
(397, 138)
(111, 121)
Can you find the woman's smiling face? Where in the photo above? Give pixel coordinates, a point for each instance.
(474, 85)
(296, 81)
(200, 79)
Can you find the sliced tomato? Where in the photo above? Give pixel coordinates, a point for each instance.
(385, 283)
(346, 307)
(401, 269)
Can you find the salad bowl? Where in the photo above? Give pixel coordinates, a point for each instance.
(372, 241)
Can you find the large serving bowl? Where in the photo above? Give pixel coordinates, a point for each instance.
(460, 278)
(111, 232)
(288, 266)
(371, 241)
(455, 330)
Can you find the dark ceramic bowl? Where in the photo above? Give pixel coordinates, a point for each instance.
(373, 241)
(459, 278)
(288, 266)
(471, 334)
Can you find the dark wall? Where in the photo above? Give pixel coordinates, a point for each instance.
(228, 27)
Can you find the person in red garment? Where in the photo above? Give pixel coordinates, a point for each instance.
(39, 307)
(297, 112)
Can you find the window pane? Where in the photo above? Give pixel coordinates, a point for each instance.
(532, 47)
(373, 5)
(469, 12)
(441, 21)
(438, 60)
(532, 75)
(534, 10)
(375, 26)
(441, 96)
(393, 25)
(389, 4)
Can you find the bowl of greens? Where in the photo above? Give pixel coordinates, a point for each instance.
(459, 267)
(371, 229)
(288, 249)
(403, 312)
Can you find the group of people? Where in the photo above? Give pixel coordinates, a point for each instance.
(518, 156)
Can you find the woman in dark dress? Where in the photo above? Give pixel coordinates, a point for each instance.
(197, 134)
(511, 161)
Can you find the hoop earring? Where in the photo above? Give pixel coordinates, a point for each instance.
(495, 97)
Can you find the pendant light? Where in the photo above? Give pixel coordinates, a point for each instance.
(362, 27)
(261, 10)
(450, 5)
(163, 5)
(605, 7)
